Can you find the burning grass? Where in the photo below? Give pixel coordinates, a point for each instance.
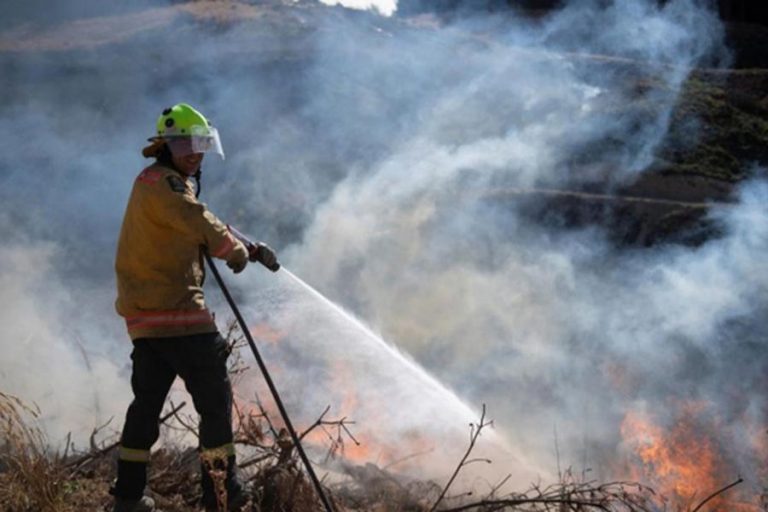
(36, 478)
(685, 459)
(33, 477)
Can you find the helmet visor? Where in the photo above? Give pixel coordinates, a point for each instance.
(203, 139)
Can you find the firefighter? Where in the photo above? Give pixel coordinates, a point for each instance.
(160, 274)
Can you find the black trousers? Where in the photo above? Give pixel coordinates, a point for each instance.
(200, 360)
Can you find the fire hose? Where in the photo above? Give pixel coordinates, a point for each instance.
(253, 252)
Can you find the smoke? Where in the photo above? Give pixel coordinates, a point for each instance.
(44, 354)
(383, 7)
(367, 150)
(551, 327)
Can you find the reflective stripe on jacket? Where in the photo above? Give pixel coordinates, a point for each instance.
(159, 262)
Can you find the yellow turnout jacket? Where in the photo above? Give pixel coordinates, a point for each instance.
(159, 261)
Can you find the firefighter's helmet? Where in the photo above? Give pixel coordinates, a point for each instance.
(187, 131)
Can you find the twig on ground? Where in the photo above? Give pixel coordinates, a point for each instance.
(256, 460)
(92, 439)
(86, 459)
(474, 434)
(407, 458)
(571, 496)
(512, 502)
(66, 447)
(498, 486)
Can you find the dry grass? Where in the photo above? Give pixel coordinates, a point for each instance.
(32, 477)
(35, 478)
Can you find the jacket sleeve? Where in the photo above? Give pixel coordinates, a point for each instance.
(182, 212)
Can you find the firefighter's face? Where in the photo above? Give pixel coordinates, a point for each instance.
(188, 164)
(184, 157)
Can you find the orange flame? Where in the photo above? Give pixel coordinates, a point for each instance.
(683, 461)
(680, 461)
(366, 446)
(265, 332)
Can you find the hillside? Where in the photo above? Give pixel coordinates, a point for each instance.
(718, 132)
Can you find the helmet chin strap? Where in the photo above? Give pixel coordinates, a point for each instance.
(197, 176)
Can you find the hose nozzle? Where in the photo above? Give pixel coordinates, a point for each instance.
(257, 251)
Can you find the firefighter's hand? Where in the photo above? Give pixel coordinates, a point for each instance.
(238, 259)
(265, 255)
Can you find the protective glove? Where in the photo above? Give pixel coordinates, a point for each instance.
(265, 255)
(238, 258)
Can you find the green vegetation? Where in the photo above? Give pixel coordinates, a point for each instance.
(719, 127)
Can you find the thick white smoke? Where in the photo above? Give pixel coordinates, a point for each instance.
(47, 358)
(537, 321)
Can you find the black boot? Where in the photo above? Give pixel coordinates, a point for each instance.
(226, 469)
(143, 504)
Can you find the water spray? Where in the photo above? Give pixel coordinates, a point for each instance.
(417, 369)
(336, 324)
(253, 251)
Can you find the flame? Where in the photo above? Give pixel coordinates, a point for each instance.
(363, 417)
(361, 445)
(679, 460)
(265, 332)
(682, 460)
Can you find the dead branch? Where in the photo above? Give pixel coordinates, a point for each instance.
(528, 501)
(317, 423)
(236, 365)
(569, 496)
(95, 432)
(255, 460)
(343, 425)
(249, 429)
(86, 459)
(183, 422)
(717, 493)
(474, 434)
(232, 329)
(407, 458)
(498, 486)
(66, 448)
(263, 411)
(340, 424)
(337, 441)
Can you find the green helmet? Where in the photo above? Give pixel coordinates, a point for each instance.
(187, 131)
